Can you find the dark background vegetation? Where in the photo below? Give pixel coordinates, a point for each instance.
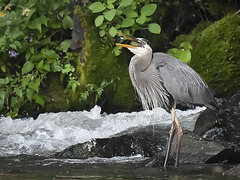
(54, 58)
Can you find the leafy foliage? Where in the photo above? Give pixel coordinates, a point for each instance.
(94, 89)
(182, 53)
(31, 46)
(125, 16)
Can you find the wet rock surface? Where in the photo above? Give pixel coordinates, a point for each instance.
(234, 171)
(195, 149)
(147, 141)
(215, 139)
(222, 126)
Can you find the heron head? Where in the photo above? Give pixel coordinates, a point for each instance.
(139, 46)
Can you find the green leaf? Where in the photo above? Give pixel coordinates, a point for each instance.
(67, 22)
(54, 23)
(18, 91)
(46, 67)
(132, 14)
(141, 19)
(97, 7)
(1, 103)
(55, 5)
(13, 46)
(49, 54)
(2, 94)
(129, 12)
(103, 83)
(154, 28)
(185, 56)
(111, 1)
(17, 34)
(119, 12)
(2, 81)
(148, 9)
(99, 20)
(65, 45)
(31, 50)
(110, 14)
(28, 55)
(125, 3)
(172, 51)
(126, 31)
(3, 68)
(7, 80)
(35, 58)
(39, 99)
(55, 66)
(40, 64)
(18, 44)
(29, 94)
(181, 54)
(15, 103)
(112, 31)
(127, 22)
(43, 20)
(186, 45)
(25, 80)
(34, 85)
(102, 33)
(110, 6)
(3, 41)
(84, 96)
(36, 24)
(27, 67)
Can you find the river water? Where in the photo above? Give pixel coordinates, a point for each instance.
(27, 146)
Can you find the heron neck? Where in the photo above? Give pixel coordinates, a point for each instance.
(142, 62)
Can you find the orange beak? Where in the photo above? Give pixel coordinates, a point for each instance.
(125, 45)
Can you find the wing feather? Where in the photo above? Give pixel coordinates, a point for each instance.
(181, 81)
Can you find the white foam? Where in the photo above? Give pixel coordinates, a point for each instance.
(53, 132)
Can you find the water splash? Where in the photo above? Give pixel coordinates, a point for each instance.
(53, 132)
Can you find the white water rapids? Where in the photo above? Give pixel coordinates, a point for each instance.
(53, 132)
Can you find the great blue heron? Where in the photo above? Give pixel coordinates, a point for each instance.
(164, 81)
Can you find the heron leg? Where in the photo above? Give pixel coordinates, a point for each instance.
(172, 132)
(180, 135)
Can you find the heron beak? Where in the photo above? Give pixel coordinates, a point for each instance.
(131, 39)
(126, 45)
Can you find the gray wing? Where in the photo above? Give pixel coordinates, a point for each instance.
(182, 82)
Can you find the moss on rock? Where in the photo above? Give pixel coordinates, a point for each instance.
(101, 64)
(216, 55)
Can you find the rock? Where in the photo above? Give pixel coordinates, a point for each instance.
(234, 103)
(228, 155)
(195, 149)
(78, 31)
(205, 121)
(234, 171)
(222, 125)
(145, 141)
(153, 145)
